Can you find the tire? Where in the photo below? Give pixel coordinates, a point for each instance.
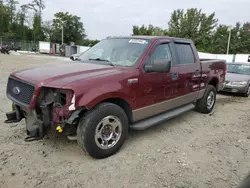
(247, 93)
(100, 119)
(245, 183)
(202, 104)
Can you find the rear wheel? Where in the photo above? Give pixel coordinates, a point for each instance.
(103, 130)
(206, 103)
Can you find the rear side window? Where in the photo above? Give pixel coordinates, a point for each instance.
(185, 53)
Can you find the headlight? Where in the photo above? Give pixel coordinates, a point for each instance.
(239, 83)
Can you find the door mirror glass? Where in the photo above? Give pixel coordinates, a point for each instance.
(159, 66)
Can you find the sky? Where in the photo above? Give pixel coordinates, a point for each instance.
(102, 18)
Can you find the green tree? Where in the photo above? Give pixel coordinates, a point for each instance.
(20, 28)
(11, 4)
(219, 40)
(239, 41)
(193, 24)
(72, 26)
(244, 37)
(148, 30)
(4, 18)
(47, 30)
(37, 6)
(88, 42)
(37, 28)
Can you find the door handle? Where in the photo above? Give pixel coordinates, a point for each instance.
(174, 75)
(147, 90)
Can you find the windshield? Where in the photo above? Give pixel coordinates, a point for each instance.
(121, 52)
(238, 69)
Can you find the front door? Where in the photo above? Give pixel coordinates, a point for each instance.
(155, 88)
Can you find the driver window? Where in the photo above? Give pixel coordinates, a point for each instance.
(162, 52)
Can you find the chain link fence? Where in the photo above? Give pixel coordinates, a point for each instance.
(19, 44)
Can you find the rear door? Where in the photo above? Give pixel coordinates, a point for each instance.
(189, 70)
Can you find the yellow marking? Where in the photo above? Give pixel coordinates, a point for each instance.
(59, 129)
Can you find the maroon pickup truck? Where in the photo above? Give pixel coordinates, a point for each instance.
(121, 83)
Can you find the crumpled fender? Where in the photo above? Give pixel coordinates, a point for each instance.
(95, 95)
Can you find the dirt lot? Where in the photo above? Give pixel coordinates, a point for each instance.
(193, 150)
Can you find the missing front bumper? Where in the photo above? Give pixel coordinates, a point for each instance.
(14, 116)
(34, 126)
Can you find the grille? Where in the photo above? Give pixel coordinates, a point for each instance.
(20, 92)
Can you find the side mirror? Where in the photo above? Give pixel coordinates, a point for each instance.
(159, 66)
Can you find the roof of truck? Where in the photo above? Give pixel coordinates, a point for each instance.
(146, 37)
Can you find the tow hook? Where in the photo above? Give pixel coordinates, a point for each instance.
(59, 128)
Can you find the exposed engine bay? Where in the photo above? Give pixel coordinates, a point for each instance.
(54, 109)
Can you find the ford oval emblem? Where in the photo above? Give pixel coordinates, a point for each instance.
(16, 90)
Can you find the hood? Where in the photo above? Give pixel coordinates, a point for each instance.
(232, 77)
(59, 75)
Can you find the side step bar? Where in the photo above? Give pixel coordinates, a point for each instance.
(149, 122)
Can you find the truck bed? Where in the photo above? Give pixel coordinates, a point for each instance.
(212, 67)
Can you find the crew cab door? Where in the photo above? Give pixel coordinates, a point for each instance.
(188, 68)
(155, 88)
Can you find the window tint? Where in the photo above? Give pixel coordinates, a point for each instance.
(185, 53)
(161, 52)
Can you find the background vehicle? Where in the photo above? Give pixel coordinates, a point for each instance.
(120, 83)
(4, 49)
(74, 57)
(238, 78)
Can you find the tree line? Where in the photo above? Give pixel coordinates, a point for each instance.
(25, 23)
(204, 29)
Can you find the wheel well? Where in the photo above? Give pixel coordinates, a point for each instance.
(123, 104)
(214, 82)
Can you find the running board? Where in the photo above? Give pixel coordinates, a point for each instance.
(149, 122)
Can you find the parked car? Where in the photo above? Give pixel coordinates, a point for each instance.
(74, 57)
(5, 49)
(120, 83)
(238, 78)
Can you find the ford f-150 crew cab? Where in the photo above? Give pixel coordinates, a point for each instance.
(121, 83)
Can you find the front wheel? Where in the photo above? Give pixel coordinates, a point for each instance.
(247, 93)
(206, 103)
(103, 130)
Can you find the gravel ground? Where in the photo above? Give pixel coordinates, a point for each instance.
(193, 150)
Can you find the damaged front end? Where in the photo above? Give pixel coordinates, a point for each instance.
(51, 109)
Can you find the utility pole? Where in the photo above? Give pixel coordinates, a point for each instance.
(62, 35)
(229, 39)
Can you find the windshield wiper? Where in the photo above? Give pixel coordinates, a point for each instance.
(233, 72)
(99, 59)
